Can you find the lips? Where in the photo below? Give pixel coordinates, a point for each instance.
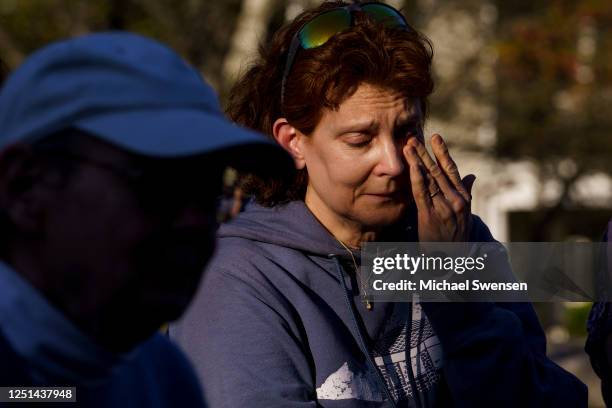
(388, 195)
(395, 191)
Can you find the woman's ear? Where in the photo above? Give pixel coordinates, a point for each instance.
(290, 139)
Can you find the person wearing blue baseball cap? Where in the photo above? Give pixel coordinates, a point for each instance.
(112, 150)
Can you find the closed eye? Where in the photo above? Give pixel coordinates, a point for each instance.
(357, 140)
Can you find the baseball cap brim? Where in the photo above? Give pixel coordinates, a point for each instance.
(174, 133)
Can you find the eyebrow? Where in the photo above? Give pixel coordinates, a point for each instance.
(372, 125)
(369, 126)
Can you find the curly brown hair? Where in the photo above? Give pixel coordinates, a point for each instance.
(322, 78)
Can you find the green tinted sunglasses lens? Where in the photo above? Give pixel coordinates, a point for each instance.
(384, 15)
(323, 27)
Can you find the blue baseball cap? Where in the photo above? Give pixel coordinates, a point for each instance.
(128, 90)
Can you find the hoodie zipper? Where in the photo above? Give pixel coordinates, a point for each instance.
(360, 340)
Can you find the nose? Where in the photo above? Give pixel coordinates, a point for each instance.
(391, 161)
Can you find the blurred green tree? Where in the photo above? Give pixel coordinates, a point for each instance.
(198, 30)
(554, 96)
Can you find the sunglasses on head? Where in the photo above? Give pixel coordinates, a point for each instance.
(322, 27)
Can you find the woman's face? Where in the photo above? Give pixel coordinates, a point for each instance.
(354, 158)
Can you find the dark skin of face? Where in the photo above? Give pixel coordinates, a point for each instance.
(118, 259)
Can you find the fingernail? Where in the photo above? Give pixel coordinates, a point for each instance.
(437, 138)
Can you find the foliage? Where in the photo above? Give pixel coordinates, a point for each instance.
(198, 30)
(555, 86)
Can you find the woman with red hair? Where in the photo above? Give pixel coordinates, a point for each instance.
(281, 319)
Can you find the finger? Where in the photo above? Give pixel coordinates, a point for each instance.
(432, 186)
(449, 203)
(433, 169)
(448, 165)
(465, 221)
(468, 182)
(442, 207)
(420, 191)
(430, 182)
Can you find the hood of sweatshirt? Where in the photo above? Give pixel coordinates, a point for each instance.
(294, 226)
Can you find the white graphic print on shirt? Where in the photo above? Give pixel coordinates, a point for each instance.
(390, 355)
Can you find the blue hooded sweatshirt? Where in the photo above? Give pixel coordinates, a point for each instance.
(279, 322)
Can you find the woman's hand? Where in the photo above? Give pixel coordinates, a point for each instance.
(443, 200)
